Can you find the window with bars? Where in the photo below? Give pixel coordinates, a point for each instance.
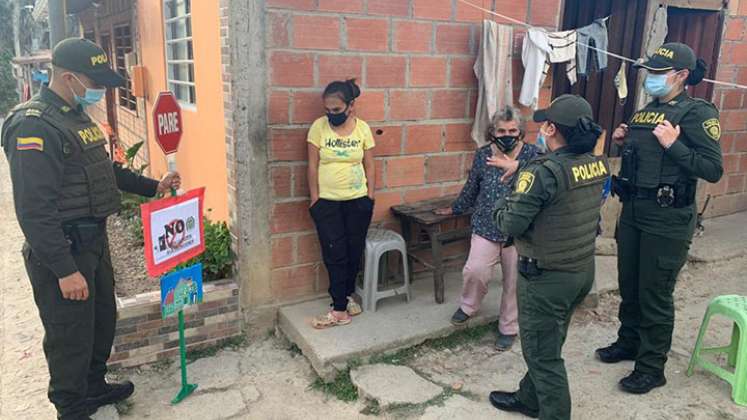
(180, 72)
(123, 46)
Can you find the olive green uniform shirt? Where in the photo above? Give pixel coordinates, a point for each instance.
(34, 148)
(698, 154)
(515, 214)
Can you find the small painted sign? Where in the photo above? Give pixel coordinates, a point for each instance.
(173, 231)
(181, 289)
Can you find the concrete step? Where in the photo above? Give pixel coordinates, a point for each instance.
(397, 324)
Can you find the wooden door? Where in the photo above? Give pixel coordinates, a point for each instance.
(701, 30)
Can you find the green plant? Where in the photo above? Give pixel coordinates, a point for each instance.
(130, 155)
(458, 338)
(342, 387)
(217, 260)
(230, 343)
(130, 209)
(464, 336)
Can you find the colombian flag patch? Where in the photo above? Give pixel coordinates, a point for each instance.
(30, 143)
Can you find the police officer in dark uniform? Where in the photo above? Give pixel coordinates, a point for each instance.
(64, 187)
(667, 146)
(553, 215)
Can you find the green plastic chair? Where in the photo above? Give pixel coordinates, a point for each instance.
(733, 307)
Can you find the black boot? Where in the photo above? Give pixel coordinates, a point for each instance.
(459, 318)
(507, 401)
(109, 394)
(642, 383)
(504, 342)
(614, 353)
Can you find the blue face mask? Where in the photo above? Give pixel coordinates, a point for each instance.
(91, 96)
(656, 85)
(541, 143)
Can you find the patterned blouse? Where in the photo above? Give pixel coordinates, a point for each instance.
(484, 188)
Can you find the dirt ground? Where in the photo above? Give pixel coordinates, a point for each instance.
(275, 382)
(128, 260)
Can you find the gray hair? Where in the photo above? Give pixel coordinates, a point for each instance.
(505, 114)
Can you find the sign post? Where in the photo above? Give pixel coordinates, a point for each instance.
(167, 121)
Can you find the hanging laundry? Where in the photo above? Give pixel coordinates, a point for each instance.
(494, 75)
(541, 48)
(621, 83)
(562, 50)
(596, 32)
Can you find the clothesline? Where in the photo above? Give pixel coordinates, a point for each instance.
(607, 52)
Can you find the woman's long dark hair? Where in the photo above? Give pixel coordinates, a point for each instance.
(583, 137)
(697, 75)
(346, 90)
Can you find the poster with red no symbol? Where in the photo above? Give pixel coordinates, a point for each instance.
(173, 231)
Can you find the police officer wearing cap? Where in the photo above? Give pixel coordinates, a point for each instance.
(667, 146)
(552, 215)
(64, 187)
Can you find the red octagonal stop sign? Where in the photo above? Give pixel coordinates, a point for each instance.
(167, 122)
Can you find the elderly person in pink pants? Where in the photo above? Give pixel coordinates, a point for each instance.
(489, 180)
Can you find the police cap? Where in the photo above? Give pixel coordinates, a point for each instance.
(670, 56)
(80, 55)
(565, 110)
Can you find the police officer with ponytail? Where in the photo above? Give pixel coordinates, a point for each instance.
(64, 188)
(667, 146)
(552, 215)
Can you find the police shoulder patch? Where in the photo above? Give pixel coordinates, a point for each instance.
(30, 143)
(712, 128)
(524, 182)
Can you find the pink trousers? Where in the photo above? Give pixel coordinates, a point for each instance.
(478, 271)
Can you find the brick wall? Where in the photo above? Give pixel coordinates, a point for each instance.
(730, 194)
(143, 337)
(413, 60)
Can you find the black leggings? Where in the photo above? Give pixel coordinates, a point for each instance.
(342, 228)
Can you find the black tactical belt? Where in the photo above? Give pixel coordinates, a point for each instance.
(80, 233)
(666, 196)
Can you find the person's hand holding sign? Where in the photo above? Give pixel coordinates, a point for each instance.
(171, 180)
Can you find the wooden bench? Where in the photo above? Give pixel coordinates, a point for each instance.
(421, 218)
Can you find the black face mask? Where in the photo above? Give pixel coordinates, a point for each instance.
(505, 143)
(337, 119)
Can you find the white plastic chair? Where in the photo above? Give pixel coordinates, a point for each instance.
(378, 243)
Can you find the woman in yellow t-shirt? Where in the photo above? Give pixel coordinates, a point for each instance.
(341, 181)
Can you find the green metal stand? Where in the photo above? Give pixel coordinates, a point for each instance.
(187, 388)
